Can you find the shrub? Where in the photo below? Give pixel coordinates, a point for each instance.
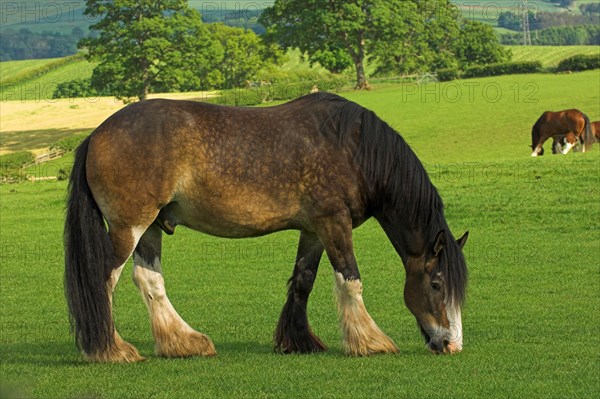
(76, 89)
(63, 174)
(10, 165)
(510, 68)
(69, 143)
(16, 159)
(579, 63)
(447, 74)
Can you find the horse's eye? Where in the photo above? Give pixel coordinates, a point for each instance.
(436, 286)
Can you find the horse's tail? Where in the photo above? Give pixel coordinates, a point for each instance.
(89, 260)
(588, 135)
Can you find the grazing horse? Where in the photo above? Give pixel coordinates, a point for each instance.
(573, 124)
(596, 130)
(320, 164)
(560, 142)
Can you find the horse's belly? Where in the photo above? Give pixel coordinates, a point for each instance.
(234, 216)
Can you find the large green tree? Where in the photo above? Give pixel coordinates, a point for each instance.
(400, 36)
(417, 36)
(478, 44)
(244, 54)
(143, 45)
(337, 33)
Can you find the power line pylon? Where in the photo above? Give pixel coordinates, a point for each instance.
(525, 23)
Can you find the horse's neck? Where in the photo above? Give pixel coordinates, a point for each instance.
(408, 240)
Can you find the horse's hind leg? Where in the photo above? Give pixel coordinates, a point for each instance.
(557, 146)
(361, 335)
(293, 333)
(173, 336)
(123, 240)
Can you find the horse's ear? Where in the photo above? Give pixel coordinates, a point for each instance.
(463, 240)
(440, 243)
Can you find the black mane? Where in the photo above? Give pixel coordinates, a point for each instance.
(399, 180)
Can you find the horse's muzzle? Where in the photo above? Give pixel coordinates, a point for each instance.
(444, 347)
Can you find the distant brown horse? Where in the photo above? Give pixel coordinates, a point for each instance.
(573, 124)
(321, 164)
(560, 142)
(596, 130)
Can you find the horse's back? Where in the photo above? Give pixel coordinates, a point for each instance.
(243, 171)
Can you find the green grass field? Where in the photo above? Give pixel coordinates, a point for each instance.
(487, 11)
(533, 308)
(40, 87)
(9, 69)
(550, 56)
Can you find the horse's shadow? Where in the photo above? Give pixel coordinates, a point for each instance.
(40, 354)
(65, 354)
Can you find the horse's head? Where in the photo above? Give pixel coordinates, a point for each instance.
(434, 291)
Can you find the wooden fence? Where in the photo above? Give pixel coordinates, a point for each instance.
(45, 158)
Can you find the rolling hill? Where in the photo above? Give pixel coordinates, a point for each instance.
(62, 17)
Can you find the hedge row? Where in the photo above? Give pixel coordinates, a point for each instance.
(77, 88)
(276, 92)
(575, 63)
(509, 68)
(478, 71)
(579, 63)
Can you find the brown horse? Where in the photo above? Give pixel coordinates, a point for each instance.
(321, 164)
(596, 130)
(560, 143)
(572, 124)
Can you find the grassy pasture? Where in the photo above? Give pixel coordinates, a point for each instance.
(550, 56)
(530, 324)
(488, 11)
(8, 69)
(42, 87)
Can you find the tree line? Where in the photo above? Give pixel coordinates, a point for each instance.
(24, 44)
(148, 46)
(558, 36)
(554, 28)
(544, 20)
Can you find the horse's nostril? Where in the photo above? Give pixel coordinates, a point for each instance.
(433, 346)
(446, 343)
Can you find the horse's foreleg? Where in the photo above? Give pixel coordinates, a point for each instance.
(567, 148)
(173, 336)
(538, 150)
(293, 333)
(361, 335)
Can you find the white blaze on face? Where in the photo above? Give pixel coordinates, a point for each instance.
(454, 318)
